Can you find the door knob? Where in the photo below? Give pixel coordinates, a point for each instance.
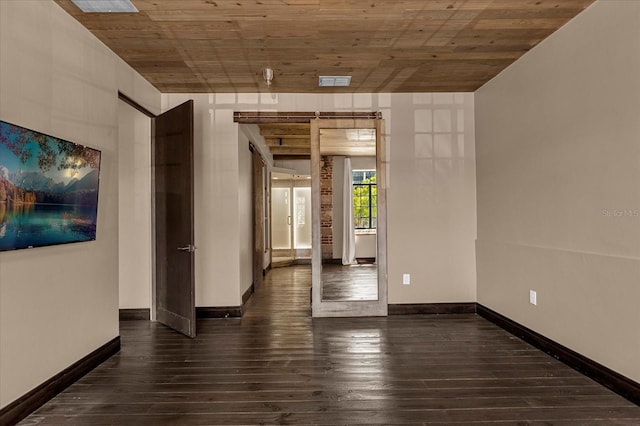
(190, 248)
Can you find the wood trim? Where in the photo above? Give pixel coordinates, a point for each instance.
(260, 117)
(203, 312)
(257, 195)
(316, 235)
(381, 222)
(361, 261)
(127, 100)
(138, 314)
(35, 398)
(605, 376)
(432, 308)
(247, 294)
(283, 157)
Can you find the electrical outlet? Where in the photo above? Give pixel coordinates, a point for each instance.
(406, 279)
(533, 297)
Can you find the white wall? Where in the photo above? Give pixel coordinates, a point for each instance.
(252, 133)
(300, 167)
(431, 205)
(57, 304)
(559, 187)
(431, 199)
(246, 211)
(366, 246)
(134, 207)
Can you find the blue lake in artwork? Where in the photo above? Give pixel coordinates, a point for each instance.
(34, 224)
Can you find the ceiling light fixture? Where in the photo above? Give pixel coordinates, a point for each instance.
(106, 6)
(267, 74)
(334, 80)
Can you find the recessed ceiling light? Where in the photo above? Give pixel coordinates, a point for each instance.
(334, 80)
(105, 6)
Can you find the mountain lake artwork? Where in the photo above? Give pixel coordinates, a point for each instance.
(48, 189)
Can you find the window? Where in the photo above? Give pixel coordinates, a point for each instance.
(365, 199)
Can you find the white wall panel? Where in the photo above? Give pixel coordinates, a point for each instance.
(59, 303)
(559, 187)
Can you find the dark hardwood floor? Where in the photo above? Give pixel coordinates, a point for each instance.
(350, 282)
(278, 366)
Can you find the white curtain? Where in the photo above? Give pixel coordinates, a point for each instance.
(348, 233)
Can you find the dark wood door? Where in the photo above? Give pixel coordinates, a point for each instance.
(258, 218)
(174, 242)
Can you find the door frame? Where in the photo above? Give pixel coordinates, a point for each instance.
(368, 120)
(378, 307)
(258, 195)
(295, 253)
(137, 106)
(288, 172)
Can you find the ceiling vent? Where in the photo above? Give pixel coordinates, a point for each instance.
(105, 6)
(334, 80)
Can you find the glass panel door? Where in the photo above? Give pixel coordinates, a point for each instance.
(302, 218)
(281, 218)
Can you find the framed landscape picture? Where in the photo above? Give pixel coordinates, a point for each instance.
(48, 189)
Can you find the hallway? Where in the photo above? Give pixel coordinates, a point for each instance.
(278, 366)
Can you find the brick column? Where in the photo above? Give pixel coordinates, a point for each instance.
(326, 205)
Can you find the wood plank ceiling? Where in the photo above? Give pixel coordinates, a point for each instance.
(211, 46)
(293, 140)
(287, 139)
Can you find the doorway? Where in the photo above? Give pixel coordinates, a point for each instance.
(156, 233)
(299, 137)
(134, 213)
(290, 218)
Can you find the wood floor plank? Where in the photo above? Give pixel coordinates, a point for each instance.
(349, 282)
(276, 365)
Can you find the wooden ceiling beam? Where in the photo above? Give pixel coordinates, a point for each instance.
(285, 132)
(290, 150)
(285, 157)
(288, 142)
